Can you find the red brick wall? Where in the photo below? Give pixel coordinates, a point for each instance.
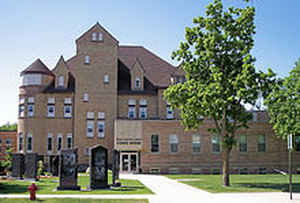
(4, 136)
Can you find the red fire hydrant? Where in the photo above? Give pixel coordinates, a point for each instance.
(32, 189)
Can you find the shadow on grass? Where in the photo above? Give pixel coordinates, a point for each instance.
(282, 187)
(127, 188)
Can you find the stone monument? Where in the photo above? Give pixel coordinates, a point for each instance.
(98, 168)
(68, 170)
(18, 165)
(31, 165)
(115, 166)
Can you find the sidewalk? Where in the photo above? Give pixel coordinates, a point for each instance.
(171, 191)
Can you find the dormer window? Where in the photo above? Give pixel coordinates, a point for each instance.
(100, 36)
(61, 81)
(94, 36)
(137, 83)
(87, 59)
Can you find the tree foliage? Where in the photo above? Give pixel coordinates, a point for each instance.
(284, 104)
(9, 127)
(6, 163)
(220, 74)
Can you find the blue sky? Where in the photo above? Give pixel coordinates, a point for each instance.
(46, 29)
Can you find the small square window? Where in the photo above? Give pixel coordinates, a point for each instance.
(106, 78)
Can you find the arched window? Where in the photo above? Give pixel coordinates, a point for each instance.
(137, 83)
(61, 81)
(94, 36)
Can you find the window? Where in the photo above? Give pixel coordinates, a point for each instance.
(29, 142)
(49, 142)
(101, 115)
(101, 129)
(155, 170)
(170, 113)
(94, 36)
(89, 128)
(59, 142)
(30, 110)
(262, 171)
(20, 142)
(85, 97)
(196, 170)
(87, 59)
(154, 143)
(68, 101)
(67, 111)
(196, 143)
(8, 141)
(131, 108)
(61, 81)
(69, 141)
(32, 79)
(137, 83)
(261, 143)
(30, 100)
(215, 143)
(173, 143)
(90, 115)
(21, 110)
(254, 116)
(243, 143)
(297, 143)
(143, 109)
(22, 100)
(100, 36)
(51, 111)
(106, 78)
(243, 171)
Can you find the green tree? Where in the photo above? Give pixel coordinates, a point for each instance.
(6, 163)
(220, 75)
(9, 127)
(284, 104)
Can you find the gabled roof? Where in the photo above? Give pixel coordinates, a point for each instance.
(61, 63)
(100, 27)
(37, 67)
(156, 69)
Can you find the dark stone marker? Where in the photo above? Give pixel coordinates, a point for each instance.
(115, 166)
(18, 165)
(68, 170)
(31, 165)
(98, 168)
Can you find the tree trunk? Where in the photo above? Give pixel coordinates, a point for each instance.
(226, 168)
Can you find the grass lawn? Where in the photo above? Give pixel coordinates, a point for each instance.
(69, 200)
(240, 183)
(48, 185)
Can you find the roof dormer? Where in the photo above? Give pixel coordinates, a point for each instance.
(61, 72)
(95, 38)
(137, 75)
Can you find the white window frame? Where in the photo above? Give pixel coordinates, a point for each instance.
(86, 59)
(61, 81)
(32, 79)
(69, 135)
(59, 137)
(141, 111)
(22, 110)
(101, 134)
(170, 112)
(240, 143)
(133, 110)
(51, 100)
(22, 100)
(90, 115)
(137, 79)
(90, 125)
(29, 135)
(68, 114)
(106, 78)
(20, 142)
(50, 135)
(49, 114)
(30, 100)
(215, 138)
(101, 115)
(68, 100)
(85, 97)
(30, 113)
(196, 139)
(100, 36)
(94, 36)
(173, 139)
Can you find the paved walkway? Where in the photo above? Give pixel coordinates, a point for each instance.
(171, 191)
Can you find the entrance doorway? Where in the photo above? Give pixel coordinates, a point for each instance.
(129, 162)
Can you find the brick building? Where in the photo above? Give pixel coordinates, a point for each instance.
(112, 95)
(8, 140)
